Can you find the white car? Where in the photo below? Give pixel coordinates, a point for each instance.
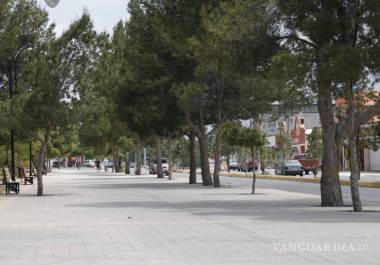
(89, 163)
(153, 166)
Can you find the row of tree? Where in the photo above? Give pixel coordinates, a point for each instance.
(178, 68)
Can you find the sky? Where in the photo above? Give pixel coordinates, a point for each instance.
(105, 13)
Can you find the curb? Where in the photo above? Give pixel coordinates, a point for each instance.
(363, 184)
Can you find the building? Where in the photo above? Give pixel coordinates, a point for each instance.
(301, 123)
(369, 159)
(298, 124)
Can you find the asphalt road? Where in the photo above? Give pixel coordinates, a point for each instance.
(369, 195)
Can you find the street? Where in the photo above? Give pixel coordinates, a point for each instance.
(344, 175)
(88, 217)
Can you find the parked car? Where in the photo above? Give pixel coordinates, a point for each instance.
(89, 163)
(289, 167)
(110, 164)
(234, 165)
(248, 166)
(153, 166)
(309, 165)
(55, 164)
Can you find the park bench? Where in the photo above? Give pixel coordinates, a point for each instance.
(10, 186)
(22, 175)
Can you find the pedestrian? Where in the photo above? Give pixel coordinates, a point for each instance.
(97, 163)
(78, 162)
(105, 164)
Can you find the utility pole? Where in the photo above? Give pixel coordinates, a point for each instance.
(145, 157)
(12, 62)
(10, 80)
(30, 159)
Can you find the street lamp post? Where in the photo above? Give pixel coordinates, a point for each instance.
(13, 62)
(10, 80)
(30, 159)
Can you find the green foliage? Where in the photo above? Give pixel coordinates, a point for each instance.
(56, 74)
(145, 100)
(268, 155)
(22, 23)
(235, 135)
(369, 136)
(100, 130)
(333, 60)
(283, 143)
(315, 146)
(234, 56)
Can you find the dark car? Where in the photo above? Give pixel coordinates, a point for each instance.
(289, 167)
(56, 164)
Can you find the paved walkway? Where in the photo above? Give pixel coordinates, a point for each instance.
(93, 218)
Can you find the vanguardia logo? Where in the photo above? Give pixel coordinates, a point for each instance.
(284, 247)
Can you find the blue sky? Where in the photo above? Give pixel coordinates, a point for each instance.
(105, 13)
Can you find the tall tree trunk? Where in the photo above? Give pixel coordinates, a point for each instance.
(217, 150)
(203, 146)
(205, 164)
(262, 162)
(193, 159)
(340, 153)
(160, 173)
(138, 156)
(41, 162)
(355, 176)
(218, 141)
(253, 171)
(6, 156)
(228, 161)
(171, 158)
(171, 169)
(127, 164)
(331, 192)
(116, 160)
(353, 152)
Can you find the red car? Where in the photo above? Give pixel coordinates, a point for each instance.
(309, 165)
(248, 166)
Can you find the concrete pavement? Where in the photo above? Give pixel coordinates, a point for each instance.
(96, 218)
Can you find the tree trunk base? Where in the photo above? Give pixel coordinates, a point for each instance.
(217, 182)
(331, 194)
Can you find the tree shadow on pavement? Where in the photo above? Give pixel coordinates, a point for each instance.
(302, 210)
(146, 186)
(112, 179)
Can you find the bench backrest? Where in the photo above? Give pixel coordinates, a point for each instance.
(6, 175)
